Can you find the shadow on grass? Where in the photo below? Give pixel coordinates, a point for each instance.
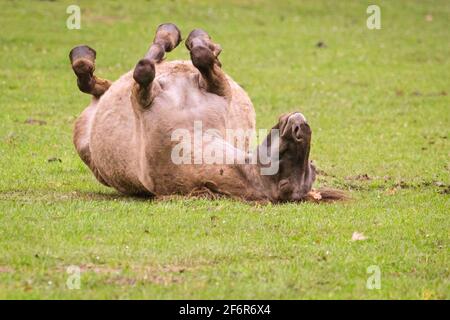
(52, 195)
(31, 196)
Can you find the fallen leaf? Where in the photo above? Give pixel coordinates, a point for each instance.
(356, 236)
(391, 191)
(315, 194)
(439, 184)
(427, 294)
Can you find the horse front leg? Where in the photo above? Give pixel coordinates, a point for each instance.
(82, 59)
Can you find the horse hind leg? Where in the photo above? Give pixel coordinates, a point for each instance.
(82, 59)
(204, 55)
(166, 39)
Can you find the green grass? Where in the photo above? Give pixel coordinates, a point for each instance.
(378, 103)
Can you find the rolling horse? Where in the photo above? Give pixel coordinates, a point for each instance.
(125, 135)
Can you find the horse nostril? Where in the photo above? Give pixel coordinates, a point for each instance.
(297, 132)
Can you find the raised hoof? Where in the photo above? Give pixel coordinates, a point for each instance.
(202, 57)
(168, 35)
(82, 53)
(197, 37)
(83, 67)
(200, 38)
(144, 72)
(82, 59)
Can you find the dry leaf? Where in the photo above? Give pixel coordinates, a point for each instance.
(391, 191)
(356, 236)
(315, 195)
(427, 294)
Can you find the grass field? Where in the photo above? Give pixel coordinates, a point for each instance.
(377, 101)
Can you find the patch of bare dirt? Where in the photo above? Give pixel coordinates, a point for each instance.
(5, 269)
(90, 267)
(90, 15)
(445, 190)
(166, 274)
(35, 122)
(99, 269)
(321, 44)
(359, 177)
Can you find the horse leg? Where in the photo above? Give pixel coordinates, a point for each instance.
(82, 59)
(204, 56)
(166, 39)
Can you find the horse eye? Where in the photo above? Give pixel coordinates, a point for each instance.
(283, 184)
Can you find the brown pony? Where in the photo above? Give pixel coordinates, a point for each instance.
(126, 135)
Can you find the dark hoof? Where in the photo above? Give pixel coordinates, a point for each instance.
(82, 52)
(168, 35)
(82, 59)
(202, 57)
(83, 67)
(199, 38)
(144, 72)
